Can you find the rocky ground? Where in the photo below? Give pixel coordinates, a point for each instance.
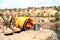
(42, 34)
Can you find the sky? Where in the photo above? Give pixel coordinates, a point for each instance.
(27, 3)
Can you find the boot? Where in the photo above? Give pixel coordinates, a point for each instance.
(8, 31)
(15, 30)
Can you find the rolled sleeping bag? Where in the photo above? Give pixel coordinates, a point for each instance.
(23, 22)
(28, 24)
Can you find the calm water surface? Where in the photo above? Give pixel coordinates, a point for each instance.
(58, 33)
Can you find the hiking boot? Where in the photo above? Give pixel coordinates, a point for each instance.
(16, 30)
(8, 31)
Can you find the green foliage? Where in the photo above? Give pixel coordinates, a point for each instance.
(27, 9)
(55, 7)
(19, 10)
(59, 8)
(42, 20)
(30, 7)
(42, 8)
(0, 14)
(15, 9)
(52, 15)
(10, 10)
(50, 7)
(53, 20)
(57, 16)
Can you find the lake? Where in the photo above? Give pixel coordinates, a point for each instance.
(58, 33)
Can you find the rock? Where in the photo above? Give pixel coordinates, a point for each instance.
(42, 34)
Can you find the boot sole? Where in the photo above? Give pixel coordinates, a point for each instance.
(17, 32)
(8, 34)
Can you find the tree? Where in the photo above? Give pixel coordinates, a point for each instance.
(50, 7)
(42, 8)
(56, 16)
(15, 9)
(10, 10)
(0, 14)
(30, 7)
(56, 8)
(57, 13)
(52, 16)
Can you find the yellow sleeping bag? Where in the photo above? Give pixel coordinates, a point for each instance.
(21, 20)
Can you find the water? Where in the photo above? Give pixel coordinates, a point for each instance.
(58, 34)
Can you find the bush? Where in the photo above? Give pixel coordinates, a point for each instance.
(52, 20)
(52, 15)
(42, 20)
(0, 14)
(38, 15)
